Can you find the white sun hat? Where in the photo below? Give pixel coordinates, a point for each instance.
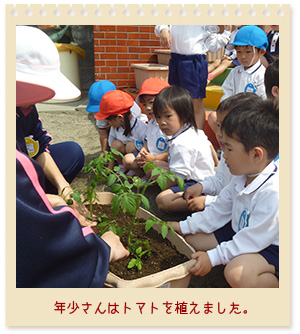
(38, 72)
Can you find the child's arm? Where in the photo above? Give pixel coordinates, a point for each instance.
(212, 218)
(216, 41)
(261, 230)
(228, 86)
(212, 185)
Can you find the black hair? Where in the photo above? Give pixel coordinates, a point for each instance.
(254, 125)
(239, 99)
(271, 77)
(180, 100)
(127, 126)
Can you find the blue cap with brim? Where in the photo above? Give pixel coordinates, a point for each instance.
(96, 92)
(250, 35)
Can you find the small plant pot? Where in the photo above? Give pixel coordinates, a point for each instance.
(176, 277)
(146, 71)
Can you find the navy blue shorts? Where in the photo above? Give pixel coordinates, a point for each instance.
(189, 72)
(187, 184)
(271, 253)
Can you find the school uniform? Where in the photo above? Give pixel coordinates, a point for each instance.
(190, 155)
(213, 185)
(240, 80)
(188, 65)
(138, 132)
(250, 215)
(157, 141)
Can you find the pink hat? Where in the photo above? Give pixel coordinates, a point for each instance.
(151, 86)
(114, 102)
(38, 73)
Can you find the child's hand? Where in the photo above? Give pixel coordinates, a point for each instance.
(147, 156)
(193, 191)
(176, 227)
(197, 203)
(165, 39)
(203, 265)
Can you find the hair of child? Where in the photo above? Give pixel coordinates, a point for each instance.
(180, 100)
(271, 77)
(254, 124)
(127, 125)
(236, 100)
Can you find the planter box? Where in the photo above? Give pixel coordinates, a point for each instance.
(163, 56)
(146, 71)
(176, 277)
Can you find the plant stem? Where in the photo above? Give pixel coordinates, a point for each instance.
(133, 220)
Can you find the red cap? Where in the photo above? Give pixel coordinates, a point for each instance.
(151, 86)
(114, 102)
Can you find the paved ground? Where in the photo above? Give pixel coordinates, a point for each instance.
(71, 121)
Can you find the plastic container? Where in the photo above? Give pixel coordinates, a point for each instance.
(176, 277)
(163, 56)
(146, 71)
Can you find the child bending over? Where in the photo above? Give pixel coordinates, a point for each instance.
(241, 228)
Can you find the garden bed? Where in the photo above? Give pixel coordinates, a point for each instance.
(163, 255)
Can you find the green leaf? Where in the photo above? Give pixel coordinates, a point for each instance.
(139, 250)
(180, 183)
(132, 263)
(115, 152)
(116, 204)
(116, 188)
(171, 228)
(128, 203)
(119, 231)
(113, 229)
(111, 180)
(76, 196)
(149, 223)
(162, 181)
(145, 201)
(102, 224)
(164, 230)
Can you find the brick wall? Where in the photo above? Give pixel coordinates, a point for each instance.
(117, 47)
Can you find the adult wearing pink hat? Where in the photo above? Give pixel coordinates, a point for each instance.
(38, 78)
(55, 246)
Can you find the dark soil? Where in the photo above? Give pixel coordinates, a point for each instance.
(163, 254)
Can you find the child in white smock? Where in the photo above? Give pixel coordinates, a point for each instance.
(201, 195)
(250, 44)
(127, 132)
(156, 142)
(241, 228)
(190, 155)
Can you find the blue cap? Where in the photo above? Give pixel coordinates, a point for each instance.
(96, 92)
(250, 35)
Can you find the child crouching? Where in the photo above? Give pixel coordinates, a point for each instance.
(241, 228)
(190, 155)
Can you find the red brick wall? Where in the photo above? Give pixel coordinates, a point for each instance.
(117, 47)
